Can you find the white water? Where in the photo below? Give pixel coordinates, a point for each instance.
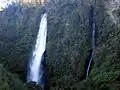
(39, 50)
(93, 47)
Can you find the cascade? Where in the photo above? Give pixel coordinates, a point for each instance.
(93, 29)
(36, 71)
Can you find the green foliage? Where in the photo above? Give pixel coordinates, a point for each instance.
(68, 43)
(105, 74)
(9, 81)
(67, 38)
(18, 30)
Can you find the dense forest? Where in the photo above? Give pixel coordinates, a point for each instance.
(68, 45)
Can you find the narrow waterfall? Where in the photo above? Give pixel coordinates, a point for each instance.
(93, 29)
(36, 72)
(93, 46)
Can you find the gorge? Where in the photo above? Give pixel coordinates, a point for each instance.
(75, 33)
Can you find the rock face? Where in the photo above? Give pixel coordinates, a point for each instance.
(33, 1)
(112, 7)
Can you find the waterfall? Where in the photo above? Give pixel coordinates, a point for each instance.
(93, 47)
(36, 72)
(93, 28)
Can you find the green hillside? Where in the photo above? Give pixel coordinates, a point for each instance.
(68, 45)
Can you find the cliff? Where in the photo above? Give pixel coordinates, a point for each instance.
(68, 43)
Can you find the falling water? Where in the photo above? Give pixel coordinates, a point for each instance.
(93, 28)
(93, 47)
(36, 67)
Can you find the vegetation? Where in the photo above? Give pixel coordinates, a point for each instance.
(9, 81)
(18, 30)
(68, 46)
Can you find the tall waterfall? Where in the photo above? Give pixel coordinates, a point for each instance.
(93, 47)
(93, 29)
(36, 71)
